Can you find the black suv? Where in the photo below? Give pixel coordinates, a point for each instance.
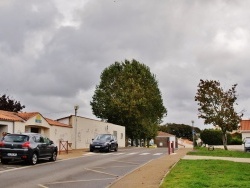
(28, 147)
(104, 142)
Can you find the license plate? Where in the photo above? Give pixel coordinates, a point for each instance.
(12, 154)
(97, 146)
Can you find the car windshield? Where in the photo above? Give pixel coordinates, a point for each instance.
(103, 137)
(16, 138)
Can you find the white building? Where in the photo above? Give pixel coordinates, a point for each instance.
(85, 129)
(76, 130)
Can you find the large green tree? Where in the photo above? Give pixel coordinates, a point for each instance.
(217, 107)
(8, 104)
(128, 95)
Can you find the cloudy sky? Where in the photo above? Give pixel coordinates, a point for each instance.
(53, 52)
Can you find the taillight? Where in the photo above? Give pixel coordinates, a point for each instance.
(1, 144)
(26, 145)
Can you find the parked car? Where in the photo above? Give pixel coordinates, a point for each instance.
(247, 144)
(104, 142)
(29, 147)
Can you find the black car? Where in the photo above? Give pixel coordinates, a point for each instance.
(104, 142)
(28, 147)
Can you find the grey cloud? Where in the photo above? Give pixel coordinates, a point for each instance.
(51, 66)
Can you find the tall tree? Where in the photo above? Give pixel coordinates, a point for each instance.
(216, 107)
(8, 104)
(128, 95)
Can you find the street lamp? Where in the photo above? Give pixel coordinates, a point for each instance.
(76, 107)
(193, 131)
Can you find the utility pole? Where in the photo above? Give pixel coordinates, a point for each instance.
(76, 108)
(193, 132)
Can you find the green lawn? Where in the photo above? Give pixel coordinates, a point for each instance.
(209, 173)
(219, 153)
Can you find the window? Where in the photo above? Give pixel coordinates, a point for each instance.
(121, 135)
(115, 134)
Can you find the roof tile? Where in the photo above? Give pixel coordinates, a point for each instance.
(245, 125)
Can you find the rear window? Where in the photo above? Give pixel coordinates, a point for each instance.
(16, 138)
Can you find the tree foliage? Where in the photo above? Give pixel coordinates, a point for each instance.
(216, 106)
(179, 130)
(128, 95)
(8, 104)
(211, 136)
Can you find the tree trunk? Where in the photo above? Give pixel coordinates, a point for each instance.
(224, 139)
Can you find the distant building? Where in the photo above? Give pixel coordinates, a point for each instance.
(245, 129)
(162, 139)
(76, 130)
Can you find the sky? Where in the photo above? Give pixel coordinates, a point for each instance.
(53, 52)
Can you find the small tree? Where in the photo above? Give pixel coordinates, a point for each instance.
(216, 107)
(11, 105)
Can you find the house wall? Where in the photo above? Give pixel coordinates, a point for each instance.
(84, 130)
(245, 134)
(80, 135)
(161, 141)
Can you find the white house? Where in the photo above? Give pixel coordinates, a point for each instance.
(245, 129)
(76, 130)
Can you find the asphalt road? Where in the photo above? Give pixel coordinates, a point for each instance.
(93, 170)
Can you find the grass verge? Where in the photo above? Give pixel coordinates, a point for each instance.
(219, 153)
(209, 173)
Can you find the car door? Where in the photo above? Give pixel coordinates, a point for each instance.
(41, 145)
(112, 142)
(49, 147)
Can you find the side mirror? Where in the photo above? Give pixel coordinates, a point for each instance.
(51, 142)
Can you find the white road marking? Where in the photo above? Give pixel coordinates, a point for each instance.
(118, 153)
(60, 182)
(144, 153)
(132, 153)
(107, 154)
(100, 172)
(158, 154)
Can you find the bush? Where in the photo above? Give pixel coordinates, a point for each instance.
(235, 141)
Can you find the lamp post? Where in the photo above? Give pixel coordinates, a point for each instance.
(193, 131)
(76, 107)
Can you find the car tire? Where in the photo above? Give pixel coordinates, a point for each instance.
(108, 149)
(33, 159)
(91, 150)
(5, 161)
(53, 156)
(116, 148)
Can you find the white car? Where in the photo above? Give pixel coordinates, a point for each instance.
(247, 145)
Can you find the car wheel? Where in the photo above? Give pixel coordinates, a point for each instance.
(4, 161)
(116, 148)
(33, 159)
(91, 150)
(53, 157)
(109, 149)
